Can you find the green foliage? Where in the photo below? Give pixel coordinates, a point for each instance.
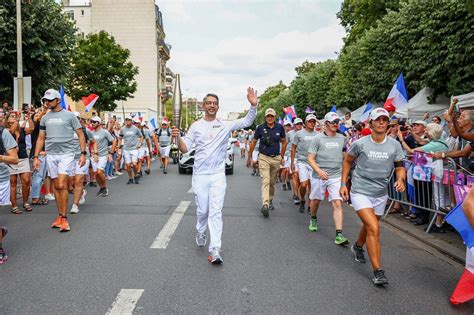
(48, 43)
(102, 66)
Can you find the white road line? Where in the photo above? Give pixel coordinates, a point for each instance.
(125, 302)
(168, 230)
(190, 191)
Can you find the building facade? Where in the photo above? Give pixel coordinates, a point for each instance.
(138, 26)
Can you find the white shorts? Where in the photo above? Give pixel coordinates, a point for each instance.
(255, 156)
(165, 151)
(23, 166)
(287, 162)
(360, 201)
(304, 171)
(101, 163)
(60, 164)
(319, 186)
(242, 145)
(130, 156)
(5, 193)
(143, 152)
(77, 170)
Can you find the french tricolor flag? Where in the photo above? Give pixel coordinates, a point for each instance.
(365, 115)
(290, 111)
(398, 95)
(89, 101)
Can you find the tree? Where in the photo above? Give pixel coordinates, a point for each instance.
(48, 44)
(101, 66)
(267, 99)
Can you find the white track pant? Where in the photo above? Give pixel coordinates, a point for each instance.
(209, 193)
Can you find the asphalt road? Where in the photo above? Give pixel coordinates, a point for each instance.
(270, 265)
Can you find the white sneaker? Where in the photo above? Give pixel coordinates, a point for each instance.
(119, 173)
(113, 177)
(49, 197)
(201, 239)
(83, 197)
(74, 209)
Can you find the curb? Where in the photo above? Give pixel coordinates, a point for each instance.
(441, 246)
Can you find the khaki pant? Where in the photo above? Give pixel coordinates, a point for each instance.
(268, 167)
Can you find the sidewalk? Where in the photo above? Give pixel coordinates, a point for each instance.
(449, 243)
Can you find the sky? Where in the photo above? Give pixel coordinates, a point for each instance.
(225, 46)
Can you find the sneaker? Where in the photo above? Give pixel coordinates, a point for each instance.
(379, 277)
(136, 180)
(296, 200)
(288, 185)
(74, 209)
(4, 231)
(341, 239)
(82, 200)
(57, 223)
(302, 207)
(313, 225)
(283, 187)
(3, 256)
(49, 197)
(140, 174)
(118, 173)
(113, 177)
(130, 181)
(201, 239)
(257, 174)
(92, 184)
(270, 206)
(214, 257)
(437, 229)
(147, 172)
(64, 225)
(358, 253)
(264, 211)
(253, 173)
(165, 170)
(105, 192)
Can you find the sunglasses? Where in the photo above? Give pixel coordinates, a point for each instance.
(334, 122)
(300, 124)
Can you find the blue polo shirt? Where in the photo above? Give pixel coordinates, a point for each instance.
(274, 134)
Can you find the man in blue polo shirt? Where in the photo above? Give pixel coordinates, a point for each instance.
(271, 156)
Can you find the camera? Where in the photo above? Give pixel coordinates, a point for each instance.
(24, 108)
(266, 138)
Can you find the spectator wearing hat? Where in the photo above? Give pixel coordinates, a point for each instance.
(271, 134)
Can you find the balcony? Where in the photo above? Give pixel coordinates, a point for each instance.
(164, 48)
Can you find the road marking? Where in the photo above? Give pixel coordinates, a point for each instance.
(125, 302)
(190, 191)
(168, 230)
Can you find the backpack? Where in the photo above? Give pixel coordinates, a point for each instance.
(167, 130)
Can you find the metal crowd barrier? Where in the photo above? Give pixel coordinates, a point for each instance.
(434, 194)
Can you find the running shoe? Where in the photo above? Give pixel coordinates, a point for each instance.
(4, 231)
(64, 225)
(3, 256)
(264, 211)
(140, 174)
(130, 181)
(341, 239)
(302, 207)
(82, 200)
(271, 206)
(92, 184)
(113, 177)
(57, 223)
(147, 172)
(379, 277)
(296, 200)
(253, 173)
(358, 253)
(201, 239)
(49, 197)
(118, 173)
(313, 225)
(137, 180)
(74, 209)
(215, 257)
(105, 192)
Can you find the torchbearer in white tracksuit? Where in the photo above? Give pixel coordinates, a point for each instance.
(209, 136)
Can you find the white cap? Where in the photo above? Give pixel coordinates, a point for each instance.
(143, 124)
(311, 116)
(129, 117)
(77, 114)
(420, 122)
(331, 116)
(376, 113)
(135, 119)
(270, 111)
(51, 94)
(96, 119)
(298, 121)
(287, 122)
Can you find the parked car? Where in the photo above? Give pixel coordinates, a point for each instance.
(186, 160)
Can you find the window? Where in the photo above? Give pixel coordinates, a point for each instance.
(70, 15)
(82, 12)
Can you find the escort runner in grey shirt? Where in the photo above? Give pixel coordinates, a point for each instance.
(61, 128)
(302, 139)
(164, 138)
(9, 143)
(103, 137)
(146, 134)
(130, 137)
(374, 165)
(328, 152)
(89, 137)
(289, 139)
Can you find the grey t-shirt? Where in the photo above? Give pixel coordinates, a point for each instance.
(77, 152)
(328, 151)
(374, 164)
(130, 137)
(302, 139)
(164, 139)
(289, 140)
(102, 137)
(9, 143)
(60, 128)
(146, 133)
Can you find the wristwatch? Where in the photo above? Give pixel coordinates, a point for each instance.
(83, 153)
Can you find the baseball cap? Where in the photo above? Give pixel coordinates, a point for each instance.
(309, 117)
(331, 116)
(287, 122)
(143, 124)
(270, 111)
(50, 94)
(129, 118)
(376, 113)
(164, 121)
(136, 120)
(389, 107)
(77, 114)
(420, 122)
(96, 119)
(298, 121)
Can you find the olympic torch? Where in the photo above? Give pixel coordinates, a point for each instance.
(177, 102)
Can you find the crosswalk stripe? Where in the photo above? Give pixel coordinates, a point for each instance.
(162, 240)
(190, 191)
(125, 302)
